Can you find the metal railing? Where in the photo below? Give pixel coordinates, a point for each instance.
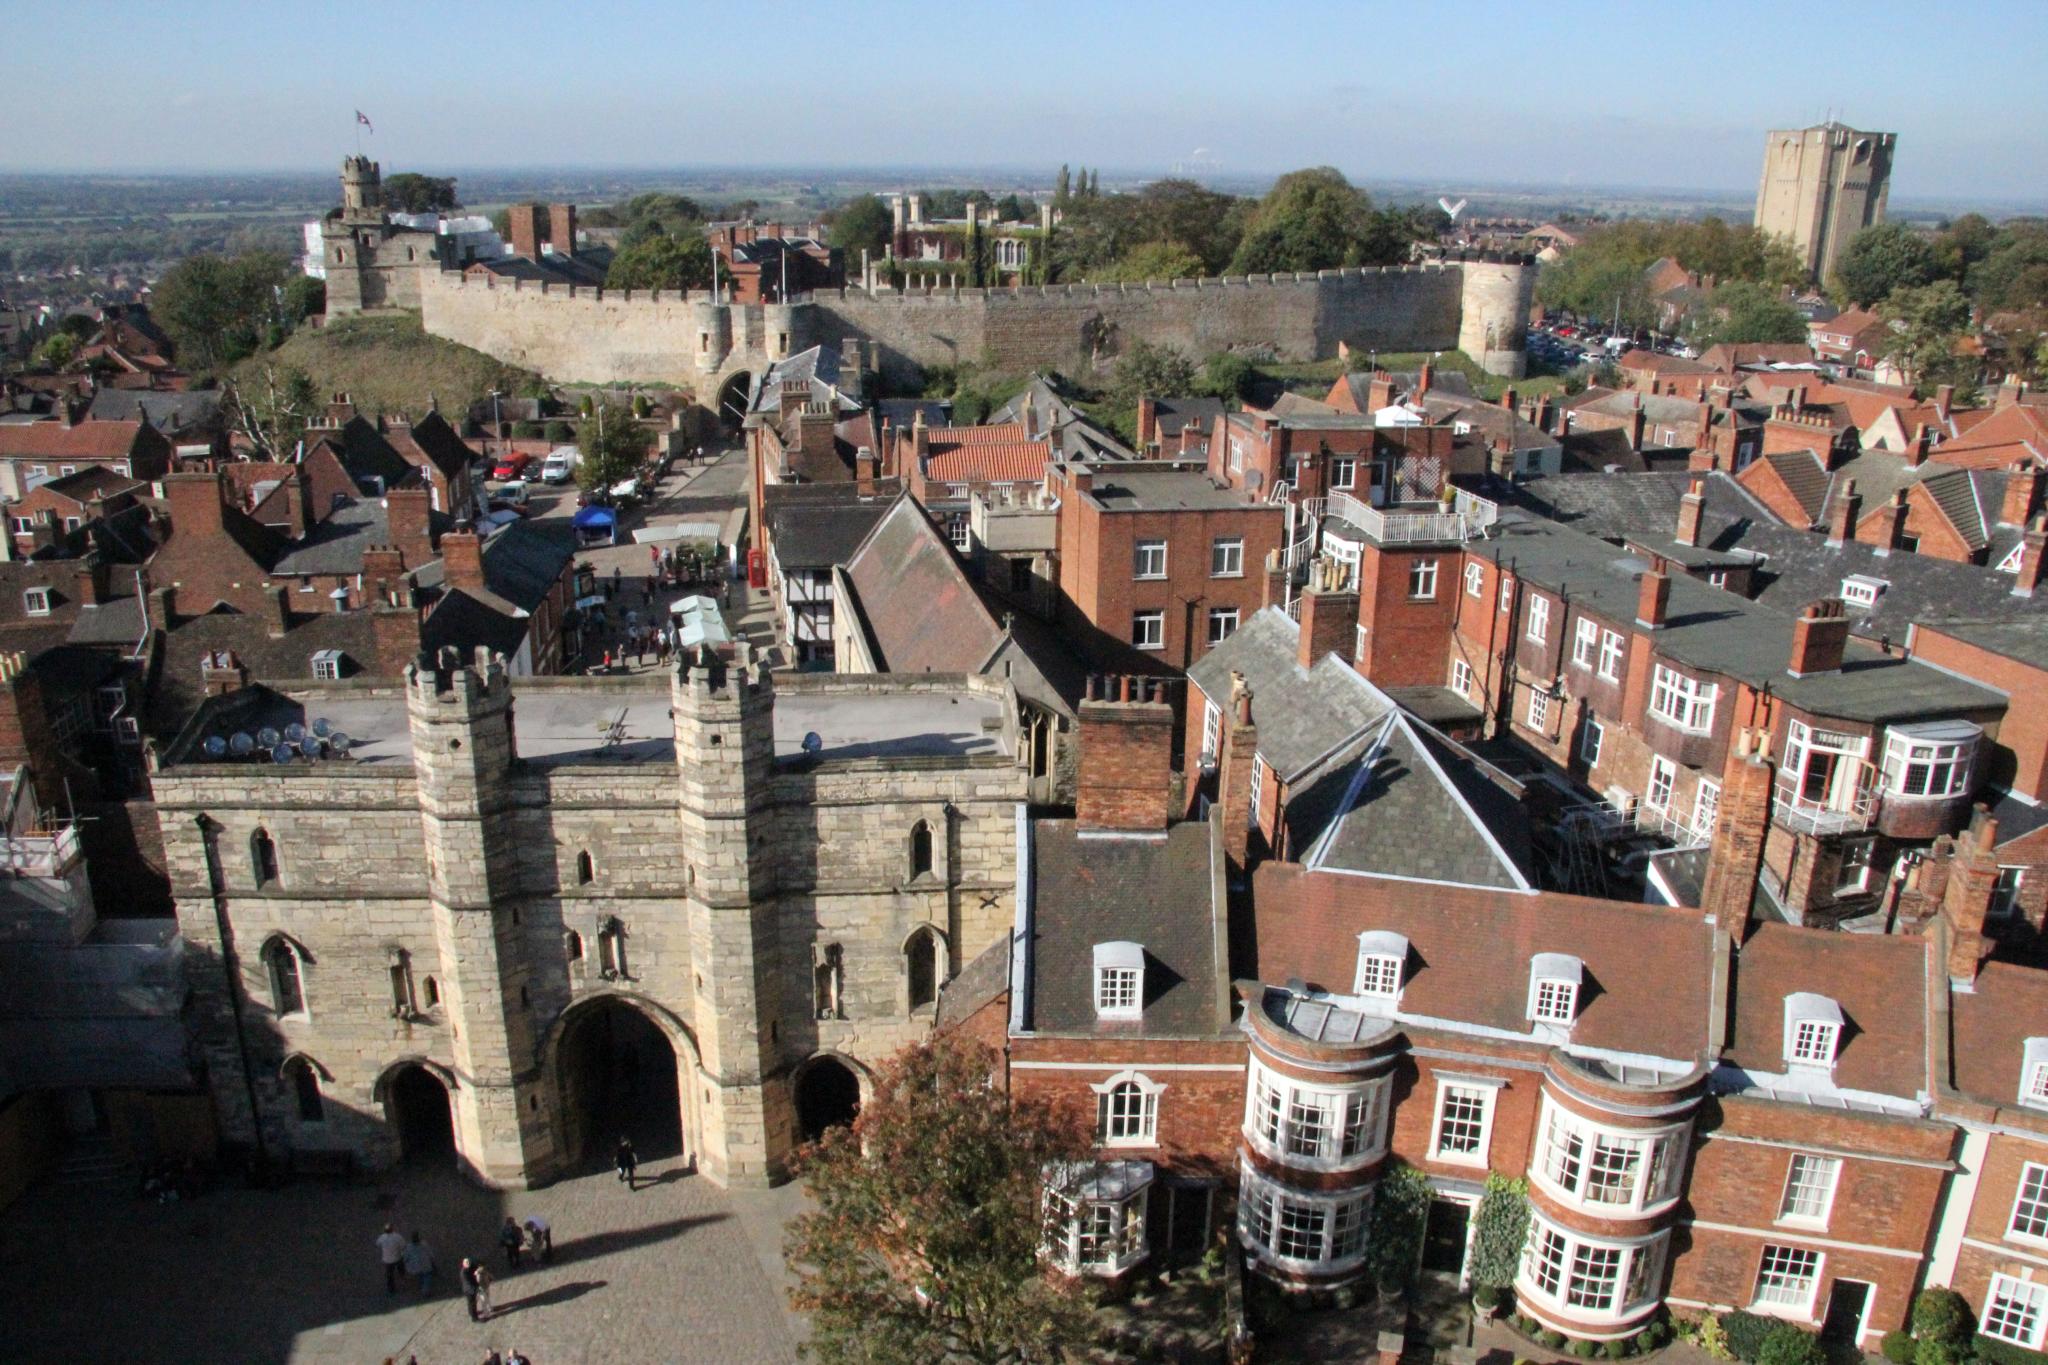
(1462, 518)
(47, 853)
(1808, 816)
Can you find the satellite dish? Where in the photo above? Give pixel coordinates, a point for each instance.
(314, 747)
(339, 742)
(295, 732)
(813, 743)
(268, 737)
(321, 727)
(216, 746)
(283, 753)
(242, 744)
(1452, 209)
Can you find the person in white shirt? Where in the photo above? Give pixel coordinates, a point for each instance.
(391, 1248)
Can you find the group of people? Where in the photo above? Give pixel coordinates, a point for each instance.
(414, 1259)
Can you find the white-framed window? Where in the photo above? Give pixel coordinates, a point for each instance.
(1507, 592)
(1610, 654)
(1475, 580)
(1787, 1278)
(1258, 788)
(36, 601)
(1554, 980)
(327, 665)
(1706, 809)
(1685, 702)
(1925, 766)
(1212, 731)
(1127, 1110)
(1226, 557)
(2005, 893)
(1556, 1001)
(1324, 1127)
(2030, 1205)
(1538, 714)
(1222, 624)
(1590, 740)
(1095, 1216)
(959, 533)
(22, 526)
(1148, 629)
(1148, 559)
(2016, 1311)
(1585, 640)
(1589, 1277)
(1859, 590)
(1382, 959)
(1539, 620)
(1663, 777)
(1463, 1130)
(2034, 1073)
(1343, 471)
(1422, 580)
(1357, 643)
(1813, 1029)
(1809, 1189)
(1119, 980)
(1307, 1229)
(1852, 873)
(1602, 1168)
(1461, 677)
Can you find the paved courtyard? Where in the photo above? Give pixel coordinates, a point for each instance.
(676, 1271)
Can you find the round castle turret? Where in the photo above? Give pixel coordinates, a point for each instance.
(362, 189)
(1494, 312)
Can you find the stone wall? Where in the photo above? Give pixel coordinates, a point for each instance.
(597, 335)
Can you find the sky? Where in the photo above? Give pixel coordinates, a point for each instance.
(1675, 95)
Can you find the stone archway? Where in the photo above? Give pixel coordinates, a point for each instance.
(828, 1094)
(734, 393)
(623, 1066)
(418, 1106)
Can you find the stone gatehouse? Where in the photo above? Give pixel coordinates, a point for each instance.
(514, 924)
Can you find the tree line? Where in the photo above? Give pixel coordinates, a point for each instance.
(1934, 289)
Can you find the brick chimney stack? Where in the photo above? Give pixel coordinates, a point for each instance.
(2022, 494)
(523, 230)
(1653, 596)
(1239, 744)
(2032, 545)
(277, 611)
(1423, 380)
(1735, 849)
(407, 524)
(1636, 418)
(195, 504)
(562, 228)
(92, 581)
(1691, 508)
(1966, 900)
(1819, 638)
(1844, 511)
(462, 560)
(1379, 391)
(1329, 613)
(1921, 447)
(1126, 735)
(1891, 534)
(1944, 400)
(221, 672)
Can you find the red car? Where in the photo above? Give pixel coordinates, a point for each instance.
(511, 466)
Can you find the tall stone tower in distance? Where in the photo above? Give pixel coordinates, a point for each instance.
(362, 190)
(1821, 186)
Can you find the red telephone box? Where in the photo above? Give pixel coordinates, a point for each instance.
(757, 569)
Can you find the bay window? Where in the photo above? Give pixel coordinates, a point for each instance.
(1931, 761)
(1328, 1127)
(1094, 1220)
(1589, 1277)
(1602, 1168)
(1309, 1229)
(1684, 702)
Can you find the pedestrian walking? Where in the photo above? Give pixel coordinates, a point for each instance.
(476, 1288)
(516, 1357)
(540, 1237)
(626, 1161)
(390, 1250)
(513, 1240)
(419, 1263)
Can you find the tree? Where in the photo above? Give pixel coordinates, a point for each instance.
(661, 261)
(1152, 261)
(2013, 273)
(1926, 323)
(1063, 188)
(1016, 208)
(1228, 376)
(1878, 260)
(1095, 184)
(215, 309)
(922, 1239)
(304, 297)
(1745, 312)
(59, 349)
(1499, 1230)
(274, 415)
(1162, 371)
(407, 192)
(1309, 220)
(863, 223)
(612, 445)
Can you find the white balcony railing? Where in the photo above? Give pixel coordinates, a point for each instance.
(41, 854)
(1808, 816)
(1462, 518)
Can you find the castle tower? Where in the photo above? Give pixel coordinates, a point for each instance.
(461, 721)
(362, 190)
(1821, 186)
(1493, 318)
(725, 754)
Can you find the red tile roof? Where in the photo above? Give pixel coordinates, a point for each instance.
(1880, 983)
(1992, 1024)
(86, 441)
(991, 454)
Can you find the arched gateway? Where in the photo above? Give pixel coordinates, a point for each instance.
(624, 1066)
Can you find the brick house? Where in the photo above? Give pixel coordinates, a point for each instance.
(1155, 557)
(33, 451)
(51, 518)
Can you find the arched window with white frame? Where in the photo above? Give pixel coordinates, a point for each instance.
(1127, 1110)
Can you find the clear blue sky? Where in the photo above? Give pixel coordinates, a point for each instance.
(1645, 94)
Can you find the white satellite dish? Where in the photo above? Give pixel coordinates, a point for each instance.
(1452, 209)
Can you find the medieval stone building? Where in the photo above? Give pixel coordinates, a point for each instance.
(692, 912)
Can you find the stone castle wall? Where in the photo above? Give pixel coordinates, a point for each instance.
(576, 334)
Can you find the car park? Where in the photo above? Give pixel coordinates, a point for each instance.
(511, 465)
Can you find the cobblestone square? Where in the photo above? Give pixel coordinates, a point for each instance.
(677, 1270)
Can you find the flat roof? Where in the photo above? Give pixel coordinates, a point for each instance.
(1120, 488)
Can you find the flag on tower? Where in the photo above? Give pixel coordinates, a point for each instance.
(364, 119)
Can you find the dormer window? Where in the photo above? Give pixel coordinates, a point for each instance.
(1119, 981)
(327, 665)
(36, 601)
(1554, 980)
(1813, 1030)
(1382, 958)
(2034, 1074)
(1861, 590)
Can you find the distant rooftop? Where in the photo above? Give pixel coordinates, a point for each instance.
(1128, 488)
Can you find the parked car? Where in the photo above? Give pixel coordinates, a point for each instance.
(511, 495)
(511, 466)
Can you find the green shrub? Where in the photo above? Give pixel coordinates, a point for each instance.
(559, 433)
(1898, 1347)
(1400, 1209)
(1787, 1344)
(1713, 1337)
(1929, 1351)
(526, 431)
(1942, 1315)
(1655, 1335)
(1746, 1333)
(2005, 1353)
(1585, 1350)
(1500, 1228)
(1551, 1340)
(1486, 1296)
(1619, 1348)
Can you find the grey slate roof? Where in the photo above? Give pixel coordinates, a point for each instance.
(979, 982)
(1303, 716)
(818, 533)
(1155, 891)
(168, 412)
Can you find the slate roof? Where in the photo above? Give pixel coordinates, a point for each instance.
(816, 533)
(336, 545)
(902, 412)
(170, 412)
(436, 442)
(285, 659)
(979, 982)
(819, 368)
(1173, 414)
(1303, 716)
(1070, 432)
(921, 614)
(1155, 891)
(465, 620)
(1637, 507)
(117, 622)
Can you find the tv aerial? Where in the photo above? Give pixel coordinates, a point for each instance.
(1452, 209)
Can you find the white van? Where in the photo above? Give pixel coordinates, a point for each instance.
(558, 467)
